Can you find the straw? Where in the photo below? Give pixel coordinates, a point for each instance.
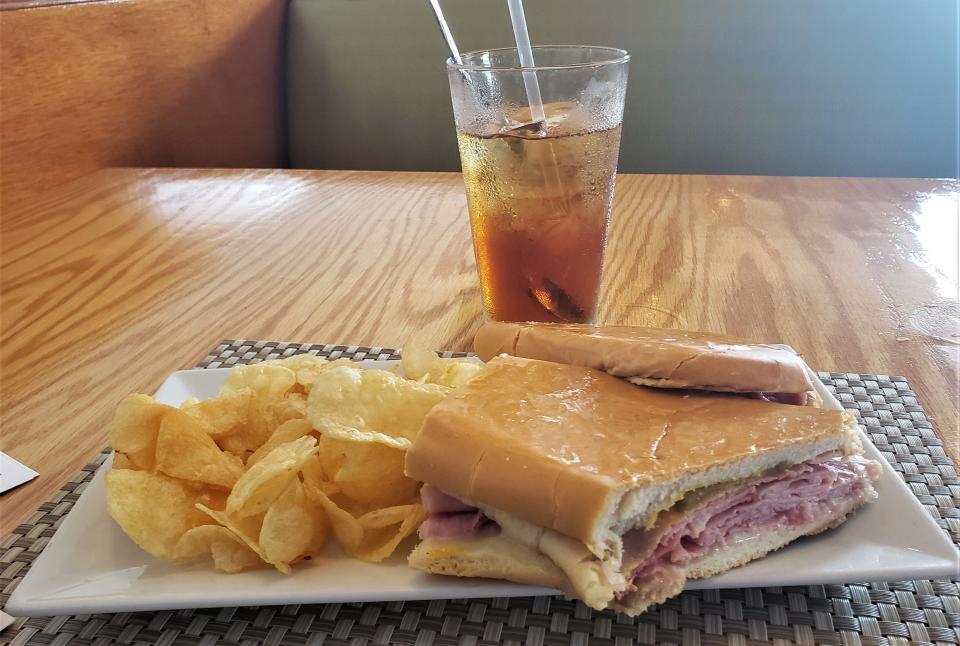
(522, 36)
(447, 36)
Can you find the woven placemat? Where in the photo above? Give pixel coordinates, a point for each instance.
(902, 612)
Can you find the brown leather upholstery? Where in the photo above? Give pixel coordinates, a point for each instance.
(139, 82)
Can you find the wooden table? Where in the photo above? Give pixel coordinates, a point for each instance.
(119, 278)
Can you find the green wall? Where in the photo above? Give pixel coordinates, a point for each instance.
(779, 87)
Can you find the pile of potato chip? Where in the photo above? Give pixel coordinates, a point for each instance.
(289, 450)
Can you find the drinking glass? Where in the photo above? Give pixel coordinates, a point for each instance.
(539, 182)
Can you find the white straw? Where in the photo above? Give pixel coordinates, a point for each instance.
(522, 37)
(445, 30)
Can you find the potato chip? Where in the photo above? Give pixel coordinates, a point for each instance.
(307, 366)
(312, 474)
(355, 435)
(427, 367)
(380, 518)
(297, 362)
(342, 429)
(121, 461)
(260, 424)
(247, 530)
(287, 432)
(256, 489)
(152, 509)
(229, 552)
(185, 450)
(196, 541)
(312, 471)
(267, 381)
(144, 460)
(321, 527)
(213, 497)
(134, 428)
(346, 528)
(380, 540)
(417, 361)
(136, 422)
(253, 434)
(264, 418)
(270, 384)
(237, 444)
(330, 459)
(306, 376)
(366, 471)
(288, 527)
(223, 415)
(330, 488)
(232, 557)
(453, 372)
(345, 399)
(293, 406)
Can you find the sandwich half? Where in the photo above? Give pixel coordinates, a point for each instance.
(568, 477)
(659, 357)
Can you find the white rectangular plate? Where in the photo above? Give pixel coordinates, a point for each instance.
(91, 566)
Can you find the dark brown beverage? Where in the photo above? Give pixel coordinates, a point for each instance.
(539, 202)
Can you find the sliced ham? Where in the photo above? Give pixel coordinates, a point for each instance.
(704, 520)
(449, 517)
(795, 399)
(796, 495)
(463, 525)
(437, 502)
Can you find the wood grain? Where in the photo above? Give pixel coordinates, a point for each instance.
(6, 5)
(115, 280)
(137, 83)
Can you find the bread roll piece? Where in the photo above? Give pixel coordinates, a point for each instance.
(616, 494)
(576, 450)
(653, 357)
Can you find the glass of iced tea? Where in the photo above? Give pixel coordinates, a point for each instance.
(540, 183)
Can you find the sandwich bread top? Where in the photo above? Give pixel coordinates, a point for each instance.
(658, 357)
(557, 445)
